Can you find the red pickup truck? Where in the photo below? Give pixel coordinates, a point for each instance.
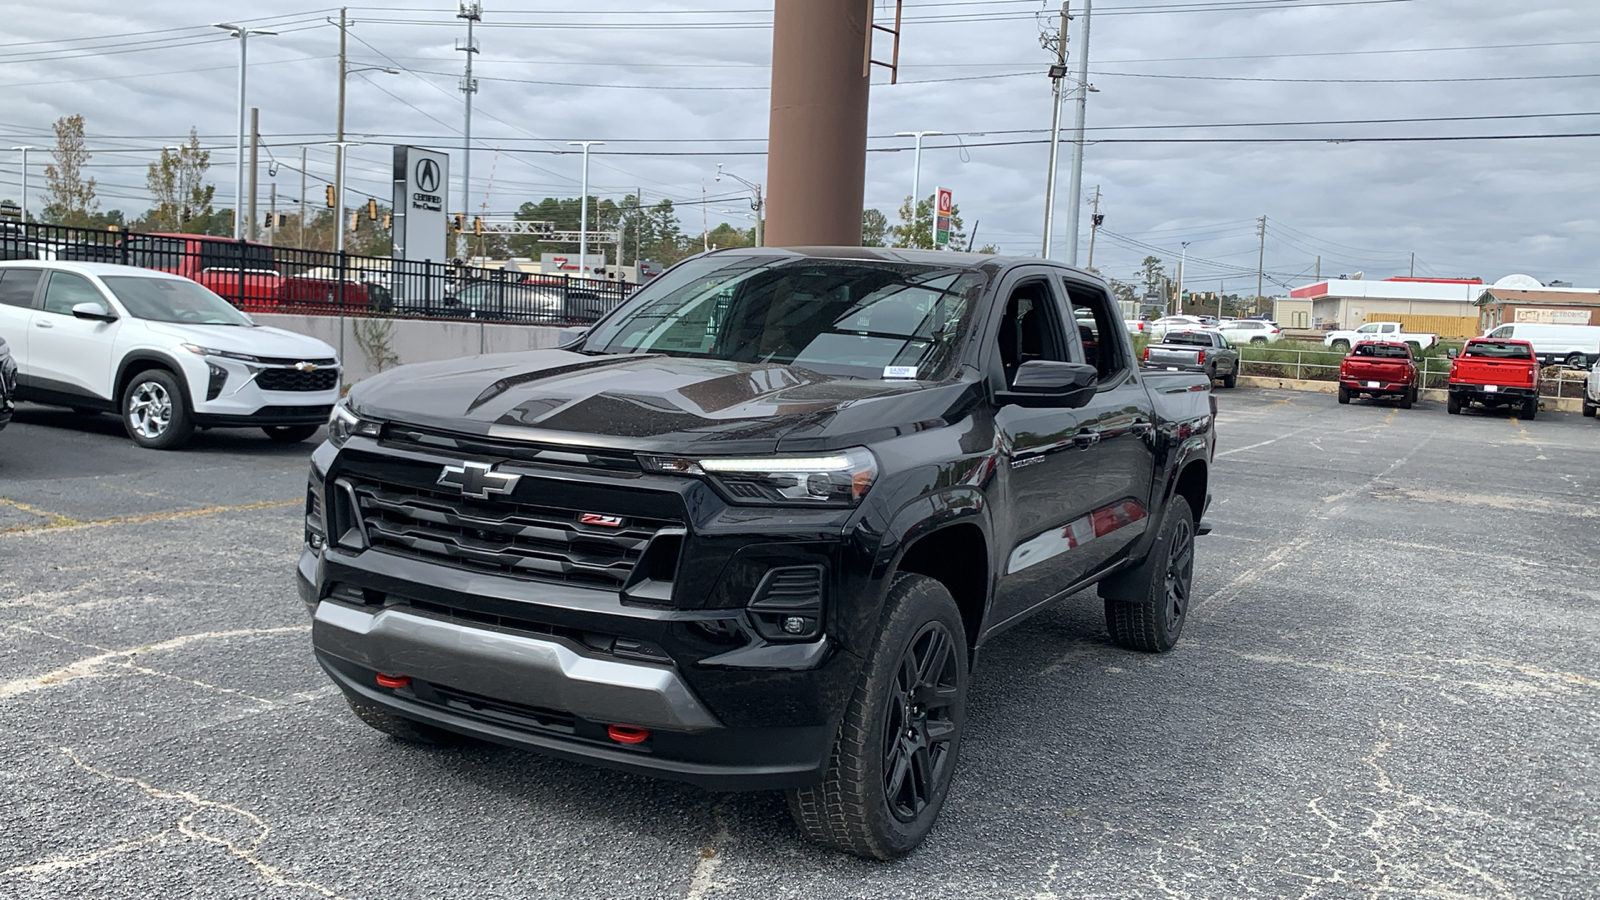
(247, 273)
(1495, 372)
(1379, 369)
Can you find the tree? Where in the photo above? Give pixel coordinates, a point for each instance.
(724, 236)
(1151, 273)
(874, 228)
(178, 183)
(918, 233)
(68, 198)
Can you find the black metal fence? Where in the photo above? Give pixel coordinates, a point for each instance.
(261, 278)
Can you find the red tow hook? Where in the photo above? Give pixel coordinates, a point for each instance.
(627, 734)
(393, 681)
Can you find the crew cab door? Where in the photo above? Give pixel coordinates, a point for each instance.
(68, 355)
(1074, 490)
(18, 290)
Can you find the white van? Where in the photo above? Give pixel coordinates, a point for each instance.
(1574, 345)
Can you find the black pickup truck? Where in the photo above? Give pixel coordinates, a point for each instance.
(753, 528)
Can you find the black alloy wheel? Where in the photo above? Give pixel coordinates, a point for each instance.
(918, 728)
(1180, 576)
(1146, 606)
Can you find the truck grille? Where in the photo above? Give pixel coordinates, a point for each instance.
(295, 380)
(512, 539)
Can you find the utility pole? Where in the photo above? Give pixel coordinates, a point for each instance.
(1182, 261)
(1319, 268)
(1094, 224)
(1075, 186)
(338, 148)
(272, 215)
(1057, 73)
(301, 235)
(1413, 265)
(255, 149)
(1261, 257)
(472, 11)
(24, 181)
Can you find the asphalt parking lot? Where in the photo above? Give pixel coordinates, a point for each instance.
(1389, 687)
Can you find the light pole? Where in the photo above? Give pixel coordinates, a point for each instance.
(338, 193)
(1183, 260)
(583, 204)
(1075, 185)
(339, 142)
(1057, 72)
(243, 34)
(755, 204)
(24, 181)
(916, 175)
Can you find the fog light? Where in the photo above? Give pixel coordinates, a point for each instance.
(794, 625)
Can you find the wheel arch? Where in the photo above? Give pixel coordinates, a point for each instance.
(143, 361)
(946, 537)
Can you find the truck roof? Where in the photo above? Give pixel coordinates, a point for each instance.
(919, 257)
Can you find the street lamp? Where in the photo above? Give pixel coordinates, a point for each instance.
(583, 204)
(338, 193)
(243, 34)
(755, 204)
(24, 181)
(1183, 259)
(340, 143)
(916, 174)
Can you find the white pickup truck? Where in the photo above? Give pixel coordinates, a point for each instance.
(1378, 331)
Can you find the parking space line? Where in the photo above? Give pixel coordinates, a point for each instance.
(58, 521)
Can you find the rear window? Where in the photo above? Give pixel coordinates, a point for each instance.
(1498, 350)
(1381, 351)
(1190, 337)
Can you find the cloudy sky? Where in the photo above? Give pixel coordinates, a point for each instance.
(1207, 116)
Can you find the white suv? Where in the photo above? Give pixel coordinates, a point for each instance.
(160, 350)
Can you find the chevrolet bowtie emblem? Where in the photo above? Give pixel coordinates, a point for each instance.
(479, 480)
(305, 367)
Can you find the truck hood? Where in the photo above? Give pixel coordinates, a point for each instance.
(654, 403)
(261, 340)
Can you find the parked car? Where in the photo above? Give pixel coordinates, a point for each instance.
(1207, 352)
(750, 531)
(1591, 391)
(1137, 327)
(8, 383)
(247, 273)
(1494, 372)
(1380, 369)
(1574, 346)
(163, 352)
(1378, 331)
(1250, 331)
(1160, 327)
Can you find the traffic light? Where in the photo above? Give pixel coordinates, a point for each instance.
(458, 222)
(355, 218)
(332, 200)
(477, 224)
(372, 209)
(388, 221)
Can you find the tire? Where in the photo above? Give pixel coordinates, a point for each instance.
(1576, 361)
(1452, 404)
(155, 412)
(1344, 394)
(855, 808)
(1588, 411)
(1260, 340)
(1232, 380)
(1407, 399)
(1342, 346)
(1147, 605)
(403, 728)
(290, 434)
(1530, 408)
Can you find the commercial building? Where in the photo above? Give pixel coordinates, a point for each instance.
(1510, 300)
(1351, 303)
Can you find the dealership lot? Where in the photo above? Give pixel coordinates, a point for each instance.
(1389, 687)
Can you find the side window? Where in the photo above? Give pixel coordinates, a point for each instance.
(67, 290)
(1031, 328)
(1097, 321)
(17, 285)
(1502, 331)
(1367, 329)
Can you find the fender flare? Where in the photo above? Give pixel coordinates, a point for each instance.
(166, 361)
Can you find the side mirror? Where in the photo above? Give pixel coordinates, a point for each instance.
(95, 311)
(1450, 352)
(1047, 383)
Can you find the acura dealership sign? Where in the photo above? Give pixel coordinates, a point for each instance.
(421, 195)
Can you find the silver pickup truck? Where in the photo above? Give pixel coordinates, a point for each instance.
(1195, 351)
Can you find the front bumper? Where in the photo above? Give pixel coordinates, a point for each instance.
(241, 402)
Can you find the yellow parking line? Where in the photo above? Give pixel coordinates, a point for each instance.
(58, 521)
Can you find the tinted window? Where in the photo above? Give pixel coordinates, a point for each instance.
(1382, 351)
(67, 290)
(1030, 329)
(1190, 337)
(16, 286)
(1097, 323)
(1498, 350)
(858, 316)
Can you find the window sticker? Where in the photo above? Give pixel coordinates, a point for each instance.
(900, 372)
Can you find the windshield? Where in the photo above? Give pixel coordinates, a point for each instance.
(1498, 350)
(1382, 351)
(172, 300)
(856, 317)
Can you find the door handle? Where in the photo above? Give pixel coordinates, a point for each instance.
(1141, 428)
(1083, 440)
(44, 323)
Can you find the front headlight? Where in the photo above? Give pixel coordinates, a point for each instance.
(344, 425)
(828, 479)
(198, 350)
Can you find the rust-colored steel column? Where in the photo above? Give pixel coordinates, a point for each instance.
(817, 139)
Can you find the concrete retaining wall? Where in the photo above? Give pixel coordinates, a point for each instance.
(414, 340)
